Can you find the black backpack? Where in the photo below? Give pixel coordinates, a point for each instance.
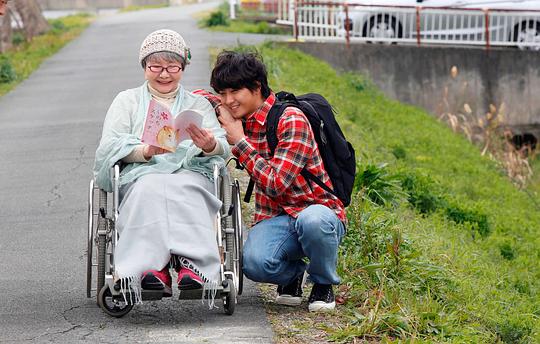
(337, 154)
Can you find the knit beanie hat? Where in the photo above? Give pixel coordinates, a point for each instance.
(164, 40)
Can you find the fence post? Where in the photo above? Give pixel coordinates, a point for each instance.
(296, 20)
(347, 26)
(486, 16)
(418, 25)
(232, 9)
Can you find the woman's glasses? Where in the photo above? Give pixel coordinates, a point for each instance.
(159, 69)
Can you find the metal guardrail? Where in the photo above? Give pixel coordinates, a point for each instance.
(334, 21)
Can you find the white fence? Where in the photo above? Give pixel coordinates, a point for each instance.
(333, 21)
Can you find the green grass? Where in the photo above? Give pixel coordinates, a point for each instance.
(133, 8)
(26, 57)
(218, 20)
(454, 256)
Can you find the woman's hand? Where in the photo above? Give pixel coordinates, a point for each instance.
(150, 151)
(202, 138)
(233, 126)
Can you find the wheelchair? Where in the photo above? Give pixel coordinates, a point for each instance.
(103, 236)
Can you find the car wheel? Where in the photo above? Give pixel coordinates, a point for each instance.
(527, 32)
(383, 27)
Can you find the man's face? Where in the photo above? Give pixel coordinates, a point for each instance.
(242, 102)
(3, 7)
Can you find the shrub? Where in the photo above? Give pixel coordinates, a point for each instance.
(7, 73)
(507, 252)
(217, 18)
(18, 38)
(420, 193)
(375, 184)
(477, 220)
(399, 152)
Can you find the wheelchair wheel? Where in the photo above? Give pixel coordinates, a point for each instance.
(101, 242)
(227, 220)
(229, 301)
(90, 243)
(101, 252)
(239, 237)
(114, 307)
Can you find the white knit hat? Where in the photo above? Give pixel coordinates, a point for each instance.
(164, 40)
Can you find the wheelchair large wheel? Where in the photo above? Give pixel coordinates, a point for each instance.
(90, 238)
(101, 242)
(229, 301)
(227, 219)
(239, 237)
(114, 307)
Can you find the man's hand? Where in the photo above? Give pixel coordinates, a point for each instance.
(233, 126)
(150, 151)
(202, 138)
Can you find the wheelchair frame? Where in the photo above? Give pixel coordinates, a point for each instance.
(103, 236)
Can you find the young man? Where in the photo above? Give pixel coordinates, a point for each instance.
(3, 7)
(294, 218)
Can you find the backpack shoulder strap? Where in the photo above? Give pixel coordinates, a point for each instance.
(272, 120)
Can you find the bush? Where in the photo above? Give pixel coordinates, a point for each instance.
(507, 252)
(18, 38)
(217, 18)
(57, 26)
(477, 220)
(420, 193)
(7, 73)
(375, 184)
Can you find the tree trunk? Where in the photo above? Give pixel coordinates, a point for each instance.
(5, 32)
(33, 21)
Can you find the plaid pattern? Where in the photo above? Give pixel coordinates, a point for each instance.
(279, 187)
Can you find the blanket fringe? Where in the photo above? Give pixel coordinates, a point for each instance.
(131, 286)
(210, 287)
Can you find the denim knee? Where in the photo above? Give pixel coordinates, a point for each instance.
(260, 268)
(316, 222)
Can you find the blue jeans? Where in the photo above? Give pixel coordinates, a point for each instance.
(275, 248)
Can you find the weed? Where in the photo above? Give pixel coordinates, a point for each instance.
(217, 18)
(421, 194)
(375, 184)
(507, 252)
(474, 218)
(7, 73)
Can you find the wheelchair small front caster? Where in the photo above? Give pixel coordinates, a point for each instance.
(229, 301)
(115, 307)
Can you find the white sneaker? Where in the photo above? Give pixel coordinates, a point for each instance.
(322, 298)
(291, 294)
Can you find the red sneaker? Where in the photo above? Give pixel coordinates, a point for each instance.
(188, 280)
(158, 280)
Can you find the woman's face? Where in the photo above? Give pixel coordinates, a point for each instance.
(164, 76)
(3, 7)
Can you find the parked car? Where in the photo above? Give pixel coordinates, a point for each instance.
(507, 22)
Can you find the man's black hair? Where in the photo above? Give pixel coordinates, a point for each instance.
(238, 70)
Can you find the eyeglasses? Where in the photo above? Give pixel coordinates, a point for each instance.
(169, 69)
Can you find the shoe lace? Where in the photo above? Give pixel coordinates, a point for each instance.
(321, 292)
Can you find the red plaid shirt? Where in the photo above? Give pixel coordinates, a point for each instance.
(278, 184)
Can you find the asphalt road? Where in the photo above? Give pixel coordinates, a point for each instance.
(50, 127)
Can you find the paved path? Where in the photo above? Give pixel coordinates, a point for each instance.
(50, 127)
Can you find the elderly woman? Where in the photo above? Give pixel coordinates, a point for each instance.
(3, 7)
(167, 207)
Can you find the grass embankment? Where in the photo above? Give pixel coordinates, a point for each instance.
(25, 57)
(441, 247)
(218, 20)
